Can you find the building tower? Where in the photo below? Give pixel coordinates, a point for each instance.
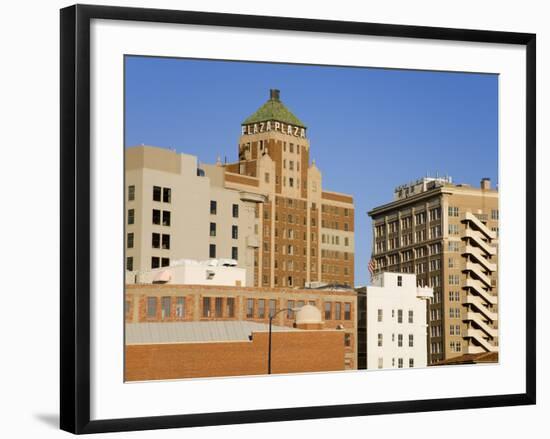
(306, 234)
(448, 235)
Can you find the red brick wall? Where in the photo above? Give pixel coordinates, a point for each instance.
(292, 352)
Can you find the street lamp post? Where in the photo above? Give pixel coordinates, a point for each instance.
(271, 317)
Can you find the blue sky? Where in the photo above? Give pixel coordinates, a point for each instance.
(369, 129)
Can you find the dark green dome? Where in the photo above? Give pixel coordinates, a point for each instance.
(274, 109)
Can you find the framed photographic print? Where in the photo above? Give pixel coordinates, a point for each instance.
(304, 218)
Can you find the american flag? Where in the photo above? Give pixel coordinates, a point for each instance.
(372, 266)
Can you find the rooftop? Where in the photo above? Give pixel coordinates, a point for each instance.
(275, 110)
(484, 357)
(194, 332)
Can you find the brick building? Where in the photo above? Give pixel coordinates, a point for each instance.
(178, 350)
(200, 303)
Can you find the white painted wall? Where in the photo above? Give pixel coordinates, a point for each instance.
(192, 273)
(385, 294)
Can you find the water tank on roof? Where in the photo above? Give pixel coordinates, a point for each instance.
(308, 314)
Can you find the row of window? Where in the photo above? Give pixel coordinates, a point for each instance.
(214, 209)
(212, 253)
(399, 362)
(380, 315)
(234, 231)
(406, 223)
(333, 239)
(170, 307)
(380, 340)
(335, 210)
(156, 262)
(420, 218)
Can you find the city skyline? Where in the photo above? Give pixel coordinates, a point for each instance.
(430, 120)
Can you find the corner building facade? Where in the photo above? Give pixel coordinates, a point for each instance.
(448, 235)
(306, 233)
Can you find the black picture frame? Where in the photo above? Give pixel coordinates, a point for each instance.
(75, 217)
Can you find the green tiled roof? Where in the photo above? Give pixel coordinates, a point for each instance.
(274, 109)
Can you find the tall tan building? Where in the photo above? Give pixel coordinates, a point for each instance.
(448, 235)
(268, 210)
(307, 232)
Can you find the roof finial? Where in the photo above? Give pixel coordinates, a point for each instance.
(274, 94)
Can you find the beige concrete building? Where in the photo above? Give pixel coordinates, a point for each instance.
(176, 210)
(269, 210)
(448, 235)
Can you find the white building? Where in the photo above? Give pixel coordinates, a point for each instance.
(396, 327)
(191, 272)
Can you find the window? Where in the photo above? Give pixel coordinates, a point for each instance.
(131, 214)
(131, 193)
(230, 307)
(411, 362)
(411, 315)
(234, 253)
(212, 251)
(494, 214)
(453, 246)
(156, 216)
(155, 241)
(151, 307)
(435, 214)
(400, 340)
(380, 362)
(166, 218)
(180, 307)
(218, 306)
(380, 314)
(337, 311)
(213, 207)
(453, 211)
(272, 307)
(166, 242)
(156, 193)
(411, 340)
(250, 308)
(399, 316)
(451, 263)
(266, 177)
(454, 279)
(400, 363)
(165, 262)
(347, 311)
(235, 232)
(212, 229)
(453, 229)
(420, 218)
(261, 308)
(155, 262)
(347, 340)
(328, 310)
(206, 306)
(130, 263)
(127, 308)
(166, 195)
(399, 281)
(130, 240)
(235, 210)
(166, 303)
(380, 340)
